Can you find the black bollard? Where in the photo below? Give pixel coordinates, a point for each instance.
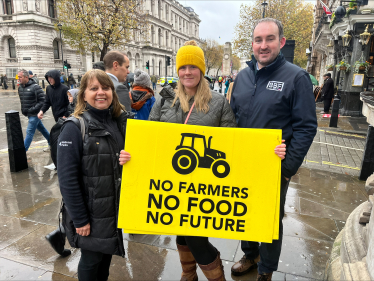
(13, 85)
(367, 164)
(43, 84)
(16, 147)
(335, 112)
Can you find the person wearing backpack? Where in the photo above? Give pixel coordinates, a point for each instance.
(89, 174)
(32, 98)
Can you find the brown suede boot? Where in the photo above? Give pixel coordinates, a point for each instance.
(264, 276)
(188, 263)
(214, 270)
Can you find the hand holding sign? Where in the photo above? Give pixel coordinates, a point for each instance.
(201, 181)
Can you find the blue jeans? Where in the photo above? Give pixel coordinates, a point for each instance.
(71, 86)
(154, 85)
(34, 123)
(269, 252)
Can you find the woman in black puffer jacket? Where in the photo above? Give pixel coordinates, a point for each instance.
(90, 175)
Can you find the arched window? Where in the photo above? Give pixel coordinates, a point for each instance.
(160, 37)
(51, 8)
(12, 48)
(56, 51)
(8, 7)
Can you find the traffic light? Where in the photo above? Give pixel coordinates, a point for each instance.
(147, 65)
(168, 61)
(66, 65)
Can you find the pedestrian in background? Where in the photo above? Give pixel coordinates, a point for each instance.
(142, 96)
(154, 81)
(31, 76)
(5, 82)
(90, 175)
(71, 81)
(327, 93)
(72, 97)
(2, 81)
(56, 96)
(117, 67)
(272, 93)
(31, 96)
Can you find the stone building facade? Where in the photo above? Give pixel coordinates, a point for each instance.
(328, 49)
(28, 38)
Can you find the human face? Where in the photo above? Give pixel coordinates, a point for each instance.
(51, 80)
(22, 79)
(266, 44)
(70, 97)
(122, 70)
(189, 76)
(98, 96)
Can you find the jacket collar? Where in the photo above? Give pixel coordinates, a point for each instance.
(279, 61)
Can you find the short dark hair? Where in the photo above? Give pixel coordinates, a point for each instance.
(328, 74)
(99, 65)
(277, 22)
(113, 56)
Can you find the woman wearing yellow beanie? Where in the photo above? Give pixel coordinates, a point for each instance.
(192, 102)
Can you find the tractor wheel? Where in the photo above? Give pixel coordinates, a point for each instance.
(221, 169)
(184, 162)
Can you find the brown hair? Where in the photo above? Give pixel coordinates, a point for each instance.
(104, 80)
(113, 56)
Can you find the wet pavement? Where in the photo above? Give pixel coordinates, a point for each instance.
(319, 201)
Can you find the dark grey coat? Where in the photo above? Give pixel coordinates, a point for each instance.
(32, 98)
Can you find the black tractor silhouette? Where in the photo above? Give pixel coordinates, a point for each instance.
(193, 152)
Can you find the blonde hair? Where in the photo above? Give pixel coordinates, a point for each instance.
(104, 80)
(202, 97)
(191, 43)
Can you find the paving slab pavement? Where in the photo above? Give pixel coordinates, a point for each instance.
(318, 203)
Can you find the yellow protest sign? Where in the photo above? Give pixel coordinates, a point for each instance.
(201, 181)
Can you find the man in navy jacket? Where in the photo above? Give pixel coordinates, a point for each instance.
(272, 93)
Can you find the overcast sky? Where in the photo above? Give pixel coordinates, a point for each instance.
(218, 18)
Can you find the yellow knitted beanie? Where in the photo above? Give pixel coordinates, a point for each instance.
(191, 54)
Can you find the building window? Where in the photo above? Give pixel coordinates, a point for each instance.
(93, 56)
(8, 7)
(12, 48)
(56, 51)
(51, 8)
(11, 72)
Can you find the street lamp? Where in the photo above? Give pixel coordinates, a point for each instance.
(62, 53)
(346, 39)
(264, 4)
(365, 36)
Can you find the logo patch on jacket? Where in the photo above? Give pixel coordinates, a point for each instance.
(275, 86)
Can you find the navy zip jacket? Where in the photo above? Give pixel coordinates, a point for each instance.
(278, 96)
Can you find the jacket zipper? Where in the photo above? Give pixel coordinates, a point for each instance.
(120, 243)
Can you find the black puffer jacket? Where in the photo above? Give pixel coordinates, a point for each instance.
(56, 96)
(32, 98)
(90, 180)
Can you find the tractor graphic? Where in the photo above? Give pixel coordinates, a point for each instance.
(193, 152)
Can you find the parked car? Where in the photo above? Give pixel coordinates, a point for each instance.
(161, 80)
